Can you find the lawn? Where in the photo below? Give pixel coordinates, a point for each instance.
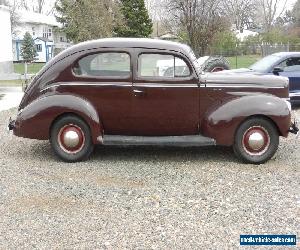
(242, 61)
(11, 83)
(32, 68)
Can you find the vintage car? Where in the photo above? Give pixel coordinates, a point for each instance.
(285, 64)
(111, 92)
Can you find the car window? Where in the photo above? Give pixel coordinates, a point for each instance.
(111, 64)
(290, 64)
(265, 63)
(162, 65)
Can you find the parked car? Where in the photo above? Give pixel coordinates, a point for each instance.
(205, 64)
(281, 64)
(109, 92)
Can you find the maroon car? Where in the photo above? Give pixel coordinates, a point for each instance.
(114, 92)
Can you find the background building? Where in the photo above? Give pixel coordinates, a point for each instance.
(6, 56)
(44, 29)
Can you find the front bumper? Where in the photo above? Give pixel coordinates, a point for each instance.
(11, 124)
(294, 129)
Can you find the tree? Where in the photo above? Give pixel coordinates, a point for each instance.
(136, 20)
(87, 19)
(201, 20)
(28, 50)
(241, 12)
(270, 11)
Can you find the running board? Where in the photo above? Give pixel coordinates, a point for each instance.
(179, 141)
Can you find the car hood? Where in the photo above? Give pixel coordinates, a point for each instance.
(240, 71)
(247, 79)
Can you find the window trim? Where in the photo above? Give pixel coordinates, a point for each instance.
(272, 68)
(162, 78)
(36, 46)
(129, 76)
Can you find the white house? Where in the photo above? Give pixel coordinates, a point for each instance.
(44, 30)
(6, 56)
(243, 35)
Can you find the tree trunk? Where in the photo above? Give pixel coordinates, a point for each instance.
(25, 70)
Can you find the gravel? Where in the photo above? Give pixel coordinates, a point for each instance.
(143, 197)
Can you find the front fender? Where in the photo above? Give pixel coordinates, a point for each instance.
(222, 121)
(35, 120)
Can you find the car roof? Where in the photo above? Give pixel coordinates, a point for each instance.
(128, 43)
(286, 54)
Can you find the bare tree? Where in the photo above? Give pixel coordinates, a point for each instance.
(240, 12)
(33, 5)
(270, 11)
(200, 19)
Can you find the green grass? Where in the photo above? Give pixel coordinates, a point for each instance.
(242, 61)
(32, 68)
(11, 83)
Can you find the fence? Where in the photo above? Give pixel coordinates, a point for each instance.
(253, 49)
(243, 55)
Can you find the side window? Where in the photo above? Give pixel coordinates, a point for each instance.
(108, 64)
(290, 64)
(162, 65)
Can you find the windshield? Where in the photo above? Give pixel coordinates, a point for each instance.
(264, 64)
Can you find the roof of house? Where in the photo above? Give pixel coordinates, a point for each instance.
(242, 35)
(37, 18)
(4, 8)
(45, 39)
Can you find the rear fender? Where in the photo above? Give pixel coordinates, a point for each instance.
(35, 120)
(221, 122)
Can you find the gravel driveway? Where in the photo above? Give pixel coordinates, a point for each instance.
(143, 197)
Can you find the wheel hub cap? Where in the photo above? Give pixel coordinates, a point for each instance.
(256, 140)
(71, 138)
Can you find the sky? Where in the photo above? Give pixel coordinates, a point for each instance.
(153, 4)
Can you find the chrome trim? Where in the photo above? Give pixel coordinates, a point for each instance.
(222, 85)
(148, 85)
(86, 84)
(171, 85)
(295, 94)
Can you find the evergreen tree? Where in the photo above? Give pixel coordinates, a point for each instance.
(28, 50)
(136, 19)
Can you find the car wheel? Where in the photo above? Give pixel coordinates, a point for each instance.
(70, 138)
(256, 141)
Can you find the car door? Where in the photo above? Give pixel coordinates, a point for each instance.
(291, 69)
(104, 77)
(165, 95)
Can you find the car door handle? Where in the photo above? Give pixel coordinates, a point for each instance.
(138, 92)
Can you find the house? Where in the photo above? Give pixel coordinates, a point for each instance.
(242, 36)
(48, 40)
(6, 56)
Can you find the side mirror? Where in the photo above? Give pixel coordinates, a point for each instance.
(277, 70)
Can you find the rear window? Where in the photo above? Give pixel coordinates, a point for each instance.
(108, 64)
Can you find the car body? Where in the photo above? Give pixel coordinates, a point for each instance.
(285, 64)
(111, 92)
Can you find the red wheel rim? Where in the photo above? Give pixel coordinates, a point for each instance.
(71, 139)
(256, 140)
